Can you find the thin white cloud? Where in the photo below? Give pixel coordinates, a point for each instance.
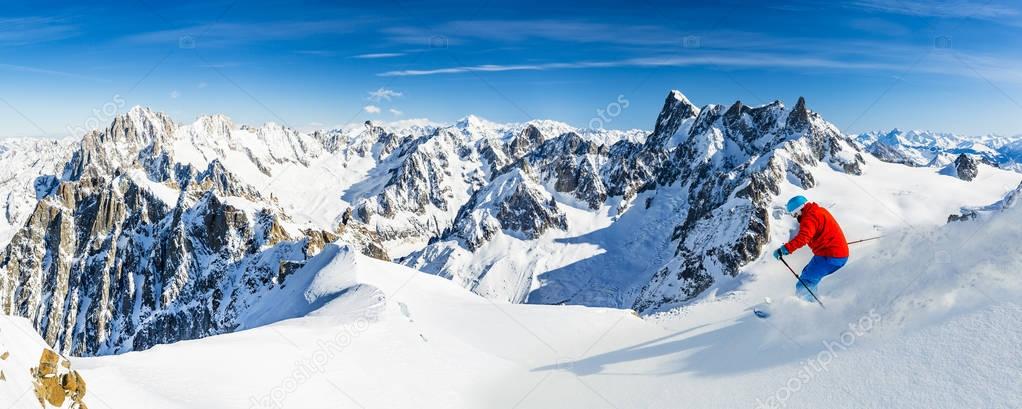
(317, 53)
(572, 31)
(372, 56)
(986, 10)
(35, 70)
(229, 34)
(383, 94)
(15, 31)
(477, 68)
(395, 112)
(942, 62)
(175, 94)
(371, 109)
(737, 60)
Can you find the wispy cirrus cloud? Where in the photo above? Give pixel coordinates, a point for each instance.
(373, 56)
(45, 71)
(985, 67)
(987, 10)
(455, 32)
(498, 68)
(231, 34)
(703, 59)
(317, 53)
(15, 31)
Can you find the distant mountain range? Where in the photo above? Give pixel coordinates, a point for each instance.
(938, 149)
(149, 231)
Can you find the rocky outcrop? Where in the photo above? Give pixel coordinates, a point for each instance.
(572, 165)
(966, 168)
(55, 383)
(354, 233)
(511, 203)
(524, 142)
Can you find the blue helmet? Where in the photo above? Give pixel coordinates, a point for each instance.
(796, 203)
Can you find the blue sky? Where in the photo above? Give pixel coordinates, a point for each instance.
(868, 64)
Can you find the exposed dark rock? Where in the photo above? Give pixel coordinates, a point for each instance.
(511, 203)
(524, 142)
(966, 168)
(676, 110)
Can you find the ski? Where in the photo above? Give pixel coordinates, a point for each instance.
(762, 310)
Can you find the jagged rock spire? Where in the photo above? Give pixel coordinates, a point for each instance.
(799, 116)
(676, 109)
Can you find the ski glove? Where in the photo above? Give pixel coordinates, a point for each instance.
(782, 251)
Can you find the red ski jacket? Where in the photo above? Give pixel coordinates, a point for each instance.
(818, 229)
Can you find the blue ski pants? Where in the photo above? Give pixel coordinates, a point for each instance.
(817, 268)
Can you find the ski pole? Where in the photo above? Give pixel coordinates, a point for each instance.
(803, 283)
(860, 241)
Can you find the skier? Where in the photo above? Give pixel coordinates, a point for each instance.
(818, 229)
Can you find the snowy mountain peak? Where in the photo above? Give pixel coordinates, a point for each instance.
(675, 112)
(678, 95)
(471, 122)
(214, 125)
(140, 125)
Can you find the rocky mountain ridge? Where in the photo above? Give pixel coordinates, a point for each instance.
(152, 231)
(727, 163)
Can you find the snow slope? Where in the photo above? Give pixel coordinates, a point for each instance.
(924, 318)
